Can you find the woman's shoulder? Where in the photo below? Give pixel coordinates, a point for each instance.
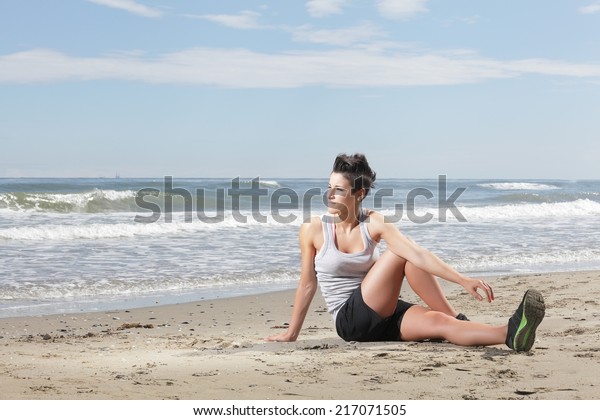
(375, 222)
(310, 234)
(311, 225)
(372, 216)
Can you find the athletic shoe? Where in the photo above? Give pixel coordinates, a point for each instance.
(462, 317)
(522, 325)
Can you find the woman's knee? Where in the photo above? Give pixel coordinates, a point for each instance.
(411, 269)
(393, 260)
(423, 323)
(439, 320)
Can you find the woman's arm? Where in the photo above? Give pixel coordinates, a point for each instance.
(306, 288)
(424, 259)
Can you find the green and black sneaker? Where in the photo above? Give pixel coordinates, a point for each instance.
(522, 325)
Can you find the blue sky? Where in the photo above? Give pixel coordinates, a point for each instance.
(470, 89)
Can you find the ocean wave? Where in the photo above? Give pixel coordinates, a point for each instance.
(543, 260)
(95, 201)
(89, 227)
(524, 211)
(545, 197)
(518, 186)
(106, 201)
(160, 228)
(262, 183)
(577, 208)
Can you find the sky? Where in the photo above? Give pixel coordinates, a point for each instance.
(196, 88)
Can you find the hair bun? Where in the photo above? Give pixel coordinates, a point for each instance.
(356, 169)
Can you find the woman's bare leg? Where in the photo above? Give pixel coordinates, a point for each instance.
(421, 323)
(381, 287)
(426, 286)
(380, 290)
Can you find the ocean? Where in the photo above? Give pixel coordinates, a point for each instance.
(71, 245)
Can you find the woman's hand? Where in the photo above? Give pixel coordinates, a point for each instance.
(472, 285)
(284, 338)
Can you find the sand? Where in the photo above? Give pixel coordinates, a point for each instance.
(215, 350)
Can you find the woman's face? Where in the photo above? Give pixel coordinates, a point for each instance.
(340, 199)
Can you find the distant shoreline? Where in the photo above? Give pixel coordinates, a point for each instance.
(232, 292)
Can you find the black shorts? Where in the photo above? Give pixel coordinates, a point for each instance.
(356, 321)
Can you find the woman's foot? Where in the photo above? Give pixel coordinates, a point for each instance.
(522, 325)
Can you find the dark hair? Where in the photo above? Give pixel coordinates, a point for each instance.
(355, 169)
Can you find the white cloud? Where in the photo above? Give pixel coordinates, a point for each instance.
(322, 8)
(400, 9)
(545, 67)
(589, 9)
(240, 68)
(244, 20)
(341, 37)
(130, 6)
(470, 20)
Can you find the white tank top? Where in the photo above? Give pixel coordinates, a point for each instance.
(338, 273)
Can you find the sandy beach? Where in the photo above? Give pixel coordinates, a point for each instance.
(215, 350)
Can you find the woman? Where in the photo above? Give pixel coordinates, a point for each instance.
(361, 287)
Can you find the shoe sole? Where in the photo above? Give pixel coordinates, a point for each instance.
(534, 310)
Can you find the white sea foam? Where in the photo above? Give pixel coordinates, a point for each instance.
(533, 211)
(123, 287)
(160, 228)
(262, 183)
(518, 186)
(577, 208)
(270, 184)
(536, 261)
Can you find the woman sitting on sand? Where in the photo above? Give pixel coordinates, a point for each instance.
(361, 287)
